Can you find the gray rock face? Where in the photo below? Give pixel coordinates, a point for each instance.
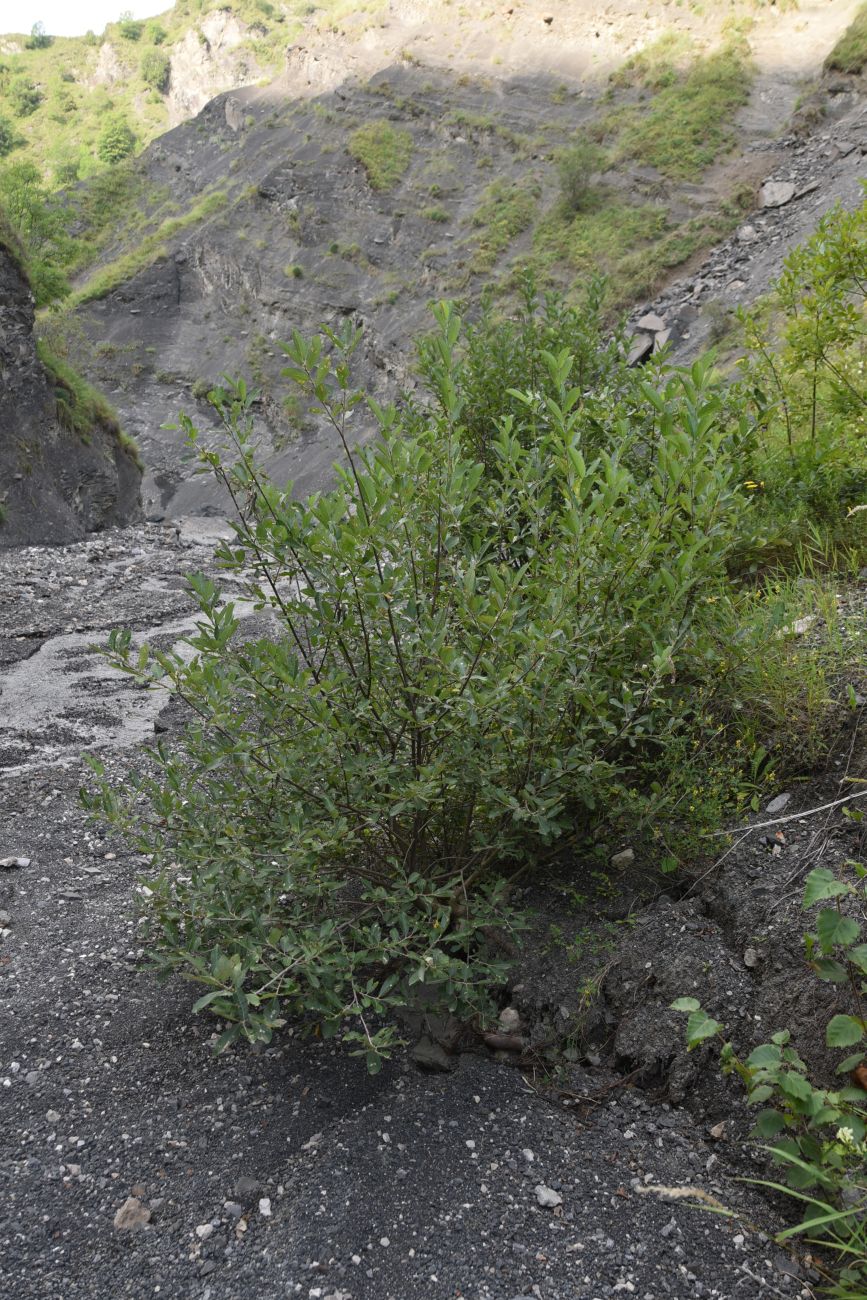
(54, 486)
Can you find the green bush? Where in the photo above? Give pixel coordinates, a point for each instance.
(23, 96)
(155, 69)
(116, 142)
(9, 138)
(383, 150)
(575, 167)
(155, 33)
(469, 652)
(129, 27)
(803, 376)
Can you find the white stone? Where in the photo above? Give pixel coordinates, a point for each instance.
(775, 193)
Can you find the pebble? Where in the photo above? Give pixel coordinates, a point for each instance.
(778, 804)
(204, 1231)
(265, 1207)
(132, 1215)
(547, 1197)
(509, 1020)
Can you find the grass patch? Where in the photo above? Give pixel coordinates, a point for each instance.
(80, 408)
(150, 250)
(436, 214)
(658, 65)
(850, 52)
(603, 237)
(632, 245)
(507, 209)
(689, 122)
(384, 152)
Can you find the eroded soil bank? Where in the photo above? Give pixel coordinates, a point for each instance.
(290, 1172)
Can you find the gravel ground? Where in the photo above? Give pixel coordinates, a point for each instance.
(135, 1164)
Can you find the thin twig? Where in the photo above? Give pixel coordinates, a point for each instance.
(793, 817)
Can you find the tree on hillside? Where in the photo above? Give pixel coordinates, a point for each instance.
(130, 28)
(38, 38)
(116, 142)
(41, 225)
(155, 69)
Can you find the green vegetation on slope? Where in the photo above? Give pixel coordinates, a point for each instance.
(689, 120)
(383, 150)
(682, 124)
(506, 210)
(328, 849)
(850, 52)
(150, 249)
(79, 407)
(58, 101)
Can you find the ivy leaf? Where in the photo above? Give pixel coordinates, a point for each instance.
(821, 884)
(843, 1031)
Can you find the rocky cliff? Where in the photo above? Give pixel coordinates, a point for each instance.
(65, 469)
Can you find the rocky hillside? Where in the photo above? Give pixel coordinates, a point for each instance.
(65, 469)
(60, 97)
(414, 160)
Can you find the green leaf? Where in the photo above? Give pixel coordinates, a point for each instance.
(768, 1124)
(858, 955)
(686, 1004)
(795, 1085)
(832, 929)
(767, 1055)
(821, 884)
(850, 1062)
(208, 998)
(699, 1027)
(828, 968)
(843, 1031)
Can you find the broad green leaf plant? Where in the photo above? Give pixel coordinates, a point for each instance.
(817, 1134)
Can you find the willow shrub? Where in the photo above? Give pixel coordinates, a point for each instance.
(464, 654)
